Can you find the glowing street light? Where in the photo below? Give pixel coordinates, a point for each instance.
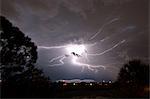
(90, 84)
(74, 84)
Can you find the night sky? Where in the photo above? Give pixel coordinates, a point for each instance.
(60, 22)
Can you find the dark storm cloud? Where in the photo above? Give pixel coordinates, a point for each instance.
(57, 22)
(115, 2)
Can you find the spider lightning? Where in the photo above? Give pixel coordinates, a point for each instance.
(52, 47)
(60, 58)
(77, 52)
(98, 54)
(103, 26)
(89, 66)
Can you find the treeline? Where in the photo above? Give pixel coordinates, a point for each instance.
(19, 76)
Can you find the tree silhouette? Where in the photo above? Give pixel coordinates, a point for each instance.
(17, 51)
(133, 77)
(18, 56)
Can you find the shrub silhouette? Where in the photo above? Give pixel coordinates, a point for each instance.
(133, 78)
(18, 54)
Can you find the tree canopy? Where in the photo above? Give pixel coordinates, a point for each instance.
(133, 78)
(18, 56)
(134, 72)
(17, 51)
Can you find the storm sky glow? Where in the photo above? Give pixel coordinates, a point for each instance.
(103, 34)
(78, 49)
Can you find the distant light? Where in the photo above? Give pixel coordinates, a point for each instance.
(28, 57)
(74, 84)
(110, 82)
(147, 88)
(100, 84)
(90, 84)
(65, 84)
(103, 80)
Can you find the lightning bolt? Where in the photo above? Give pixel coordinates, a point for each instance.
(90, 67)
(63, 46)
(60, 58)
(98, 54)
(103, 26)
(51, 47)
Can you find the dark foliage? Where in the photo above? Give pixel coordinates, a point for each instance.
(18, 54)
(133, 79)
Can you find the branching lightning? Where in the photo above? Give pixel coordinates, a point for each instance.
(52, 47)
(103, 26)
(98, 54)
(77, 52)
(60, 58)
(90, 67)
